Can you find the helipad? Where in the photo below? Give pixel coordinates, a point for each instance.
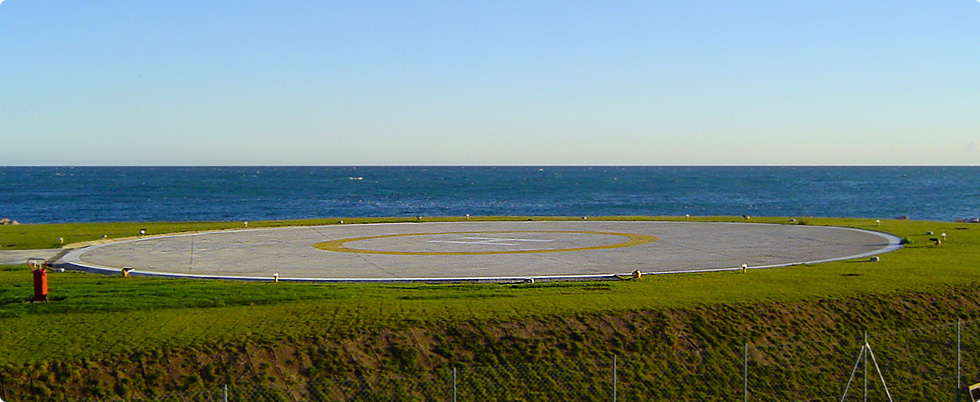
(478, 251)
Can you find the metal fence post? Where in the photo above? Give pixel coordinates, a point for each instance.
(453, 385)
(866, 345)
(745, 373)
(613, 378)
(959, 373)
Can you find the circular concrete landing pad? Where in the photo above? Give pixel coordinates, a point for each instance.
(478, 251)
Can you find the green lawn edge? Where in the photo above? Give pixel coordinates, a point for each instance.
(93, 316)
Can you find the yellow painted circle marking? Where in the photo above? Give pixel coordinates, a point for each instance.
(632, 239)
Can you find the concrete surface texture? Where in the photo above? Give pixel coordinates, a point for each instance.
(480, 250)
(20, 257)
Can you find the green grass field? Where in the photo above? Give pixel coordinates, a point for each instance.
(91, 316)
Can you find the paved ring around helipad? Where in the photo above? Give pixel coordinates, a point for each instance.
(468, 251)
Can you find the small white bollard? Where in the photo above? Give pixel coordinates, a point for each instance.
(275, 277)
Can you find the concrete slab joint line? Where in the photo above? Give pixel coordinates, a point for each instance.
(479, 251)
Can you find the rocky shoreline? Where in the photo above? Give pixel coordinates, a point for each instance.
(7, 221)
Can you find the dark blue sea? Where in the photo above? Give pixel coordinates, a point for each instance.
(114, 194)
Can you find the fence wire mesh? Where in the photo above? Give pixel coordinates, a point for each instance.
(387, 388)
(710, 374)
(812, 371)
(581, 380)
(926, 364)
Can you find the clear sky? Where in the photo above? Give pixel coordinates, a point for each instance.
(697, 82)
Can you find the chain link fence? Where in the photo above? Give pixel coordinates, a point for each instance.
(927, 364)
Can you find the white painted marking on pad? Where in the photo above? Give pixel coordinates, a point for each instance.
(489, 241)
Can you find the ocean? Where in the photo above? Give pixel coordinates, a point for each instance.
(147, 194)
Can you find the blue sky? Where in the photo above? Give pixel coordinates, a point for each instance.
(696, 82)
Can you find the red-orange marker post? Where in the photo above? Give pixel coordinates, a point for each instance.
(39, 269)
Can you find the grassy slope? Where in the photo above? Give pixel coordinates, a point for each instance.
(95, 316)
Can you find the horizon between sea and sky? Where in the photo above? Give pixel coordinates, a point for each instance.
(489, 83)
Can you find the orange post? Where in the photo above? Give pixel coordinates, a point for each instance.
(40, 285)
